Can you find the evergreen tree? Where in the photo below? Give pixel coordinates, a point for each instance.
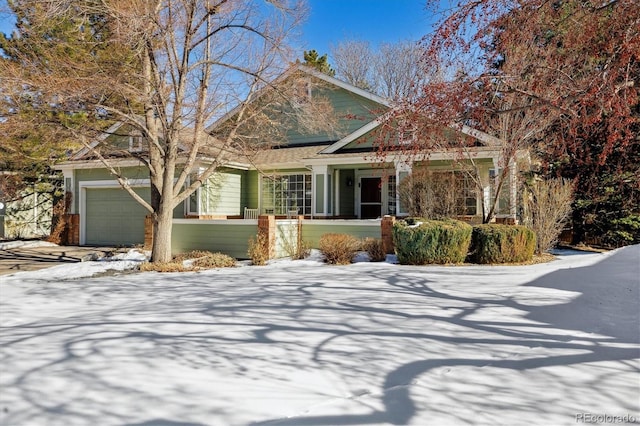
(321, 63)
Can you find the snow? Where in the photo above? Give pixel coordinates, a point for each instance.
(7, 245)
(117, 263)
(304, 343)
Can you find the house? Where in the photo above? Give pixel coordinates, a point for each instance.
(320, 175)
(28, 213)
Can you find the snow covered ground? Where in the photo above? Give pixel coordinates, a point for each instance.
(303, 343)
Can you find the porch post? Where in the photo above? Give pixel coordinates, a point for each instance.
(386, 232)
(267, 227)
(69, 187)
(403, 169)
(486, 190)
(322, 190)
(513, 192)
(336, 184)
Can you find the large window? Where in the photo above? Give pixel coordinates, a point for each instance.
(284, 194)
(391, 195)
(467, 194)
(503, 204)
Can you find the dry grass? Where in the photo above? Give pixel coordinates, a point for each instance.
(163, 267)
(201, 260)
(537, 258)
(214, 260)
(193, 254)
(259, 249)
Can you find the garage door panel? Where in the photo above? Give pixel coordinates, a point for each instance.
(113, 217)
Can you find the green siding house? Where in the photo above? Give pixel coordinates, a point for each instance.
(322, 175)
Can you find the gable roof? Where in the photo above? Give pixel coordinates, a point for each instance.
(97, 141)
(483, 137)
(298, 67)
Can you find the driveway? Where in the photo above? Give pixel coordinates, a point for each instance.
(32, 256)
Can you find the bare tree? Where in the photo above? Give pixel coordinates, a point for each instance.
(431, 195)
(399, 69)
(547, 207)
(393, 71)
(354, 63)
(172, 68)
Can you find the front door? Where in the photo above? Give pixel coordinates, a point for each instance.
(370, 197)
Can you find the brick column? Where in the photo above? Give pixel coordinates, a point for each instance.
(267, 226)
(299, 234)
(387, 233)
(73, 229)
(148, 232)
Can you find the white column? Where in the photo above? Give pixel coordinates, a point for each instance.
(403, 168)
(320, 174)
(513, 190)
(336, 202)
(68, 174)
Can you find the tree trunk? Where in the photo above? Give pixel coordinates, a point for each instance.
(163, 223)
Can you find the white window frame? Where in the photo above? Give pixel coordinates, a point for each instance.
(307, 178)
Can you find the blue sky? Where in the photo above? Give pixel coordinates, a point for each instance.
(331, 21)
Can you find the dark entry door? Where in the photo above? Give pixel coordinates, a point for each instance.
(370, 197)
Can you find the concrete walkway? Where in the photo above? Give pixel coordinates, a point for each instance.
(33, 257)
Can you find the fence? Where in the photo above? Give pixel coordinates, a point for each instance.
(232, 236)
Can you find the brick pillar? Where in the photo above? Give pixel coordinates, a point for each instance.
(148, 232)
(387, 233)
(73, 229)
(267, 226)
(299, 234)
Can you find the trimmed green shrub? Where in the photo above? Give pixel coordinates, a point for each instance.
(338, 249)
(421, 242)
(493, 243)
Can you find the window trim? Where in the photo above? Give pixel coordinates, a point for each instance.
(307, 198)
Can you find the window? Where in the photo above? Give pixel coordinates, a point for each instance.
(502, 206)
(302, 93)
(407, 132)
(203, 200)
(455, 192)
(466, 195)
(391, 195)
(135, 143)
(282, 194)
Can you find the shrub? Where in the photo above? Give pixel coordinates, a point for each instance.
(547, 206)
(201, 260)
(302, 251)
(292, 244)
(421, 242)
(193, 254)
(502, 243)
(375, 249)
(214, 260)
(623, 231)
(259, 249)
(338, 249)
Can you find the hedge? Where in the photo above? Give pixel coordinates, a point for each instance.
(493, 243)
(421, 241)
